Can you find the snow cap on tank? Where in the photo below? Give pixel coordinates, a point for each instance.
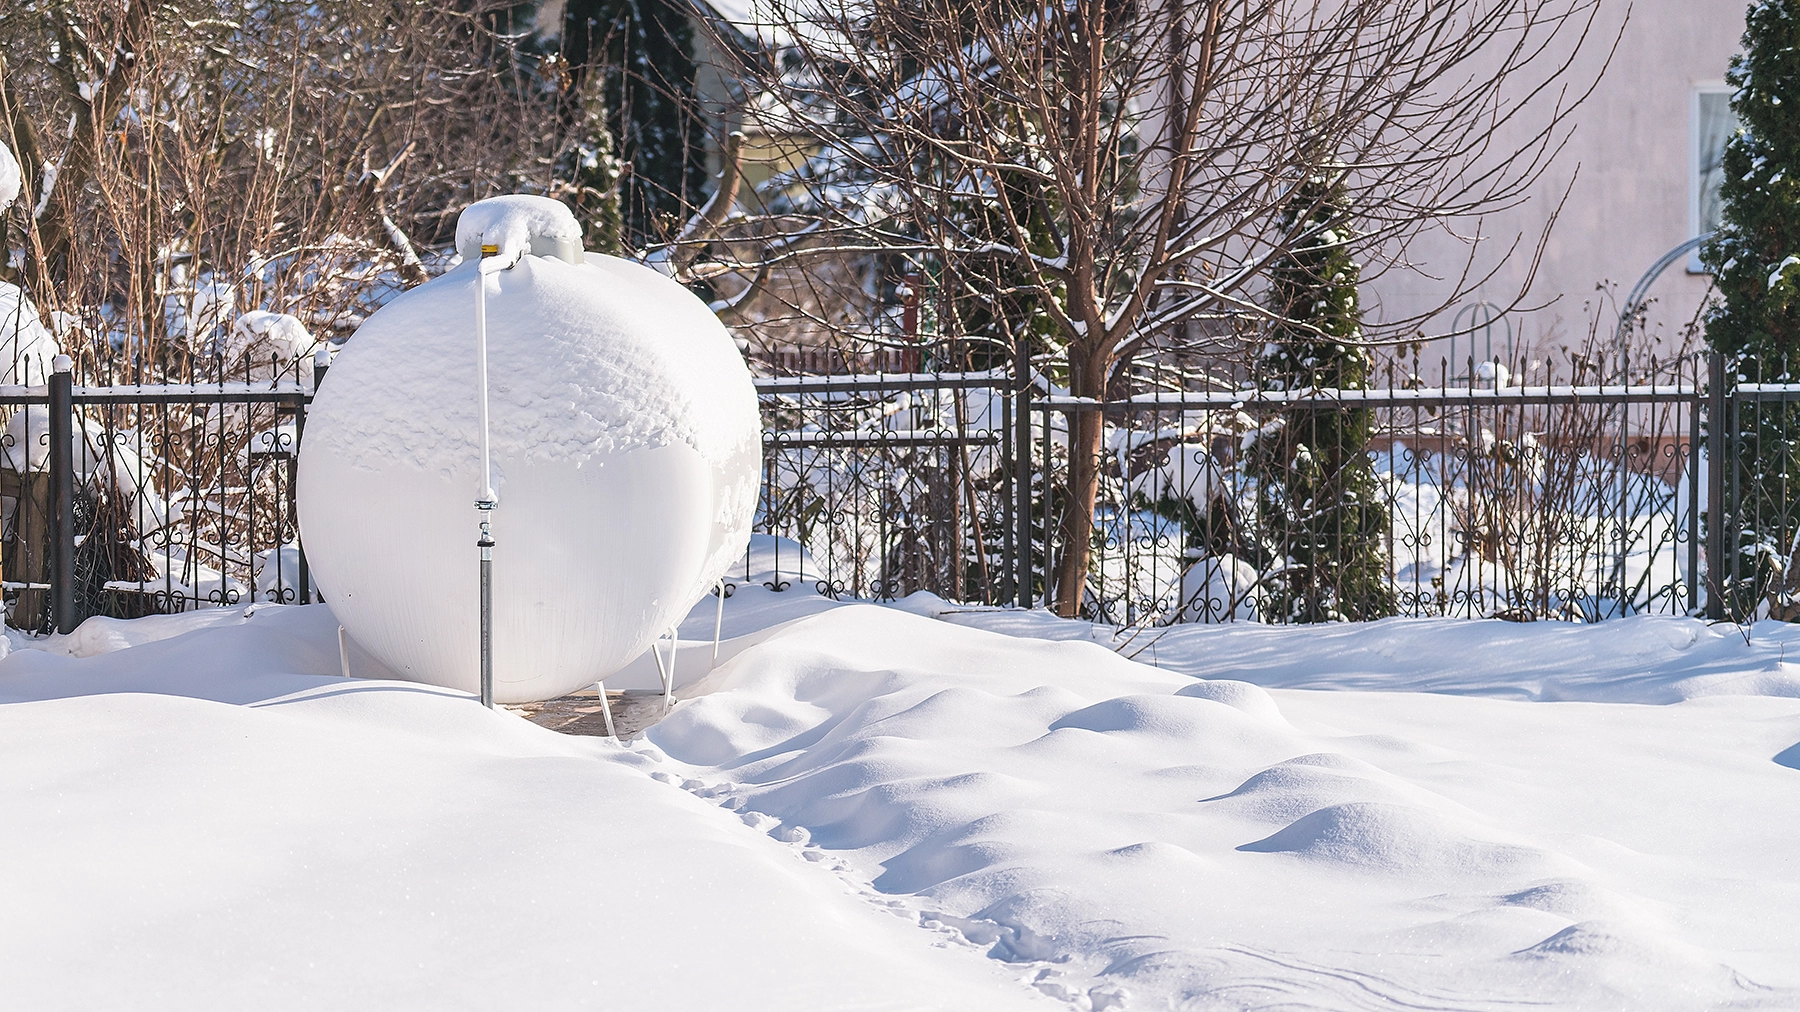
(519, 223)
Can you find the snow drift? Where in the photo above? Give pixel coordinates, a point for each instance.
(199, 814)
(857, 804)
(1132, 837)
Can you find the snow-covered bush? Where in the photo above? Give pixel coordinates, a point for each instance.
(9, 177)
(26, 345)
(263, 347)
(1219, 589)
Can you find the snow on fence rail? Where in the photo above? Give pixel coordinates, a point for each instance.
(1389, 397)
(1574, 501)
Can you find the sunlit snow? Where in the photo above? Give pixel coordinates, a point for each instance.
(919, 806)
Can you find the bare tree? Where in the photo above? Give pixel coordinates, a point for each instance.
(1095, 180)
(184, 158)
(186, 161)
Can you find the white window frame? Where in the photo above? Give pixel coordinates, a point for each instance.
(1712, 87)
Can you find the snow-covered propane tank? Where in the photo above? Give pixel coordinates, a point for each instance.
(626, 450)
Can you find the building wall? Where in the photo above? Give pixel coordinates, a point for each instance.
(726, 104)
(1628, 172)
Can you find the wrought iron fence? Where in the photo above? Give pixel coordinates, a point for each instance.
(1554, 500)
(889, 483)
(1756, 549)
(1545, 497)
(1496, 492)
(127, 500)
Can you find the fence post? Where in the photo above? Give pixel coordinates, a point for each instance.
(1022, 471)
(62, 495)
(1716, 453)
(321, 365)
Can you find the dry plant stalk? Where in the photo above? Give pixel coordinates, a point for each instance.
(1553, 496)
(298, 156)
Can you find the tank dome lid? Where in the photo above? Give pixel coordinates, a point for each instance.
(519, 223)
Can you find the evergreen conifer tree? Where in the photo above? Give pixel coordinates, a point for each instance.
(645, 51)
(1757, 319)
(1319, 507)
(592, 169)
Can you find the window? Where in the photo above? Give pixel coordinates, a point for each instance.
(1713, 125)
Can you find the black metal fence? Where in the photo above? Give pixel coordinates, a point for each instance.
(1518, 493)
(1528, 495)
(139, 499)
(1544, 501)
(890, 483)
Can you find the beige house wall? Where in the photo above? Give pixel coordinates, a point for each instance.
(726, 105)
(1628, 172)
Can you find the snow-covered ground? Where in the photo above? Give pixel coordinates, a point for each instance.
(209, 822)
(872, 807)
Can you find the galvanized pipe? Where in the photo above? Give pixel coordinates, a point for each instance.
(485, 502)
(486, 544)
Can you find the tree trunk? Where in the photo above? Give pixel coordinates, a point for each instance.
(1087, 379)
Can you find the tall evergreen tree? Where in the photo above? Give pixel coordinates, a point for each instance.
(644, 50)
(1757, 318)
(590, 167)
(1320, 511)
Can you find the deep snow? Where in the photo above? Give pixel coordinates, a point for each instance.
(210, 821)
(203, 810)
(1211, 844)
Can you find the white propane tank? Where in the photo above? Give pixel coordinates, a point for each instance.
(626, 450)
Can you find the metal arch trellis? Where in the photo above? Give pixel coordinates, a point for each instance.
(1482, 317)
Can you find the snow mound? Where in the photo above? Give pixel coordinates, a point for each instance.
(102, 635)
(1587, 938)
(1645, 968)
(1300, 786)
(1396, 838)
(1246, 697)
(1171, 716)
(1579, 900)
